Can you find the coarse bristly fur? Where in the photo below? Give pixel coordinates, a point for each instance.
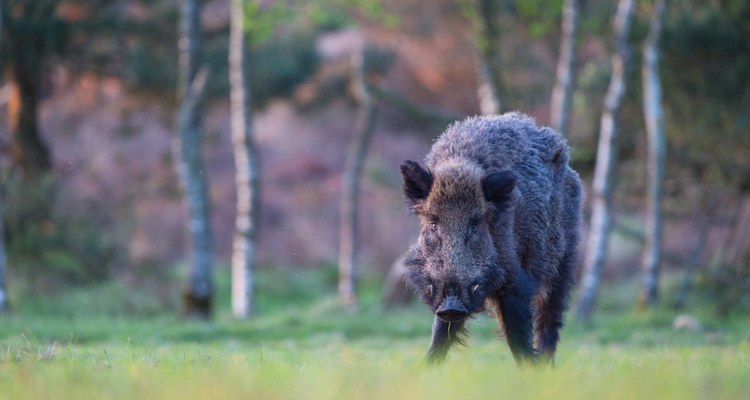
(501, 212)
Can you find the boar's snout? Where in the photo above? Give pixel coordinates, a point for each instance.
(452, 310)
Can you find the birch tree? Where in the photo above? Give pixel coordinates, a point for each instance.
(657, 148)
(197, 297)
(606, 159)
(562, 93)
(490, 82)
(247, 164)
(355, 160)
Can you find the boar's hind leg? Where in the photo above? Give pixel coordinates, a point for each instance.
(550, 320)
(444, 335)
(517, 320)
(550, 314)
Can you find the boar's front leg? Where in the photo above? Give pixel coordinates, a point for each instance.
(514, 306)
(444, 335)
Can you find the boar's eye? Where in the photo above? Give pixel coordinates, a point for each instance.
(434, 227)
(473, 228)
(429, 290)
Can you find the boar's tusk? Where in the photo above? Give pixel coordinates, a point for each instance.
(429, 290)
(475, 288)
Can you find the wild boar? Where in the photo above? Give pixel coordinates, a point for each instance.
(500, 211)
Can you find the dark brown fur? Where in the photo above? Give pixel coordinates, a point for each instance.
(500, 211)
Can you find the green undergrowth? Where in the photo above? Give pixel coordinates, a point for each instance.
(302, 345)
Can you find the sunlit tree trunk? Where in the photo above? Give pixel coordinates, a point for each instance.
(490, 83)
(606, 159)
(355, 161)
(562, 93)
(197, 297)
(657, 148)
(247, 164)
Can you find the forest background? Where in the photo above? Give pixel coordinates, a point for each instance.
(91, 139)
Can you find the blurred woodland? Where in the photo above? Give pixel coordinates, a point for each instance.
(127, 124)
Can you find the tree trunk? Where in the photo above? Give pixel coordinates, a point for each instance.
(606, 158)
(197, 297)
(355, 161)
(657, 148)
(562, 93)
(3, 264)
(247, 164)
(25, 48)
(28, 151)
(3, 267)
(490, 82)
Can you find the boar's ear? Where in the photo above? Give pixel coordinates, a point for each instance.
(497, 187)
(417, 183)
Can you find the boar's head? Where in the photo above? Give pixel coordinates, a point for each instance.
(464, 212)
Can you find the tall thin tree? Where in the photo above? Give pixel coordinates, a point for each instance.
(657, 149)
(606, 159)
(197, 297)
(488, 38)
(562, 93)
(3, 266)
(33, 35)
(355, 161)
(247, 165)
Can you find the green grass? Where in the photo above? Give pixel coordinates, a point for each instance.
(302, 345)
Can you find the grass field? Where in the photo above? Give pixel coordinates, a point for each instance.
(87, 345)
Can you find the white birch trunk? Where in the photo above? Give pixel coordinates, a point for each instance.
(606, 159)
(489, 101)
(562, 93)
(355, 161)
(247, 164)
(198, 295)
(490, 87)
(657, 148)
